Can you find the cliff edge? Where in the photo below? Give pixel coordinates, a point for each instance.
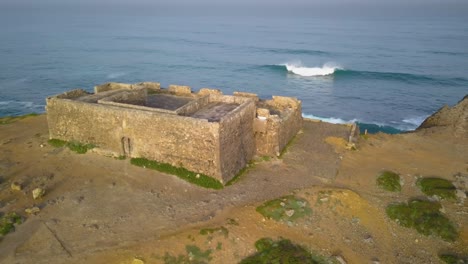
(451, 120)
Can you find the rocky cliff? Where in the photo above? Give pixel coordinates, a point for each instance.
(452, 120)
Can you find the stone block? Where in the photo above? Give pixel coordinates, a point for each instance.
(180, 89)
(263, 113)
(260, 126)
(206, 91)
(249, 95)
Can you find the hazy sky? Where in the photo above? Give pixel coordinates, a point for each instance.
(459, 7)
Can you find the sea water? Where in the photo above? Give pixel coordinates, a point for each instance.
(387, 72)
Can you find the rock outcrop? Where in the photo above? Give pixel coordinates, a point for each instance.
(453, 120)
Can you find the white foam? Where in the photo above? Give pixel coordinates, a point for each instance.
(299, 69)
(415, 121)
(116, 75)
(331, 120)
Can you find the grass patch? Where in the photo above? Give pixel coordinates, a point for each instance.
(73, 146)
(425, 217)
(11, 119)
(7, 223)
(390, 181)
(282, 251)
(285, 209)
(57, 143)
(209, 231)
(453, 259)
(190, 176)
(244, 170)
(194, 255)
(79, 148)
(438, 187)
(287, 147)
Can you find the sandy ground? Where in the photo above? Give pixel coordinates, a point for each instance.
(99, 209)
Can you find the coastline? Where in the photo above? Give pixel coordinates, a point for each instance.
(83, 204)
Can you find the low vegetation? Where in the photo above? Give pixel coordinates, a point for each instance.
(453, 259)
(11, 119)
(287, 147)
(243, 171)
(390, 181)
(220, 230)
(73, 146)
(190, 176)
(7, 223)
(194, 255)
(285, 209)
(281, 251)
(438, 187)
(425, 217)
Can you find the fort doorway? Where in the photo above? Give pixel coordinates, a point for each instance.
(126, 146)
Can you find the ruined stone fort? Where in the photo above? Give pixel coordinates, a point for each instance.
(205, 132)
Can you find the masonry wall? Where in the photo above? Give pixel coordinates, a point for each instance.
(266, 136)
(180, 141)
(237, 143)
(273, 132)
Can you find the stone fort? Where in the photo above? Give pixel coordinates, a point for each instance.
(205, 132)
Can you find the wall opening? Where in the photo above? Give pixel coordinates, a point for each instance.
(126, 146)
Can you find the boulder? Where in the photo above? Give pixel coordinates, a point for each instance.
(16, 186)
(38, 193)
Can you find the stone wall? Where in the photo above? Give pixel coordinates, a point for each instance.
(73, 94)
(276, 124)
(180, 141)
(119, 86)
(193, 106)
(117, 120)
(134, 97)
(237, 142)
(179, 89)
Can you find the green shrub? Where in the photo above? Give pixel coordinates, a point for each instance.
(389, 181)
(285, 209)
(7, 223)
(79, 148)
(436, 186)
(282, 251)
(453, 259)
(190, 176)
(73, 146)
(57, 143)
(425, 217)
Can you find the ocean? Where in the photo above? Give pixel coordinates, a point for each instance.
(385, 73)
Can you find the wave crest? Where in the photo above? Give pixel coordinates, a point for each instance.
(298, 69)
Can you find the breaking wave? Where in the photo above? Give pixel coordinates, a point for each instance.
(331, 120)
(336, 71)
(407, 124)
(298, 69)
